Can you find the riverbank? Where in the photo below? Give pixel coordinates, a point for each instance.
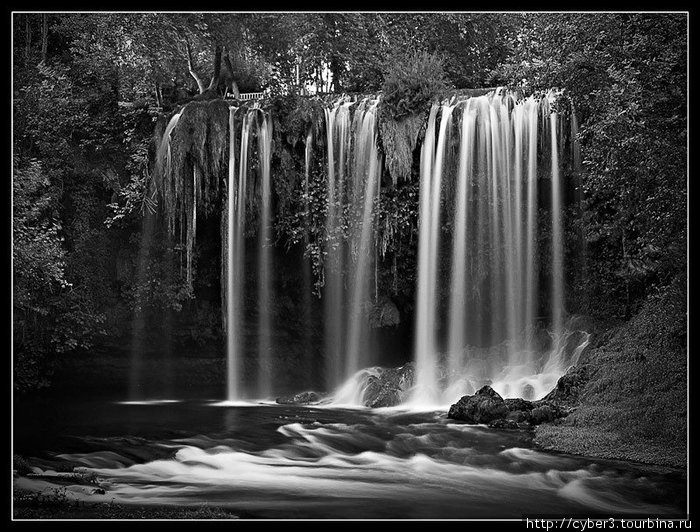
(634, 405)
(101, 510)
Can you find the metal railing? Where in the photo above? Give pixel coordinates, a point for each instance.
(246, 96)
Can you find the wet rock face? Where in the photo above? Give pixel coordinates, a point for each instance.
(484, 406)
(389, 387)
(303, 398)
(515, 405)
(379, 393)
(569, 386)
(487, 406)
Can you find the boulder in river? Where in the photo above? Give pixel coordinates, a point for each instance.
(303, 398)
(389, 386)
(485, 406)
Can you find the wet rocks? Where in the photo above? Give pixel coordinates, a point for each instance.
(508, 424)
(388, 387)
(569, 386)
(379, 393)
(517, 405)
(484, 406)
(487, 407)
(303, 398)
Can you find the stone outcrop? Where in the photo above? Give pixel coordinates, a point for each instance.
(569, 386)
(486, 406)
(303, 398)
(389, 387)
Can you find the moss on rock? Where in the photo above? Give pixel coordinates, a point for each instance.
(634, 404)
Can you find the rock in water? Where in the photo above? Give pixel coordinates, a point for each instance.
(507, 424)
(517, 404)
(388, 387)
(484, 406)
(303, 398)
(488, 407)
(380, 393)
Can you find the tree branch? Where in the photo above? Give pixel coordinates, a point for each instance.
(190, 66)
(217, 68)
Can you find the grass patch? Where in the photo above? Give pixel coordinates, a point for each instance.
(82, 510)
(634, 406)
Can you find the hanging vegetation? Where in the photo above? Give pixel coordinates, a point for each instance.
(399, 139)
(411, 81)
(190, 163)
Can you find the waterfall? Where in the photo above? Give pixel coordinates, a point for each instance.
(531, 243)
(353, 172)
(236, 258)
(333, 296)
(488, 200)
(366, 175)
(305, 264)
(264, 289)
(233, 260)
(229, 269)
(557, 243)
(425, 348)
(457, 314)
(480, 239)
(138, 325)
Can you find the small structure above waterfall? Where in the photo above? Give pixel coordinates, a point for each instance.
(245, 96)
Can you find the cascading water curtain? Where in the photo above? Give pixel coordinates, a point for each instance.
(477, 294)
(264, 260)
(353, 172)
(239, 193)
(484, 161)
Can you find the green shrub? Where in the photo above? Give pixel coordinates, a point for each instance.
(411, 81)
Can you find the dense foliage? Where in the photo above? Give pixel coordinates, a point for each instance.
(412, 80)
(88, 88)
(627, 77)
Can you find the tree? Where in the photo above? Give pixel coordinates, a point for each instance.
(38, 258)
(627, 77)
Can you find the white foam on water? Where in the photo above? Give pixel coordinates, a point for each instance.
(150, 402)
(524, 374)
(327, 463)
(236, 403)
(597, 493)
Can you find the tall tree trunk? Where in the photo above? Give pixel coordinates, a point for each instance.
(217, 68)
(190, 66)
(27, 37)
(44, 36)
(336, 73)
(159, 95)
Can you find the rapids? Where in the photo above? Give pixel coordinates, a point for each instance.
(274, 461)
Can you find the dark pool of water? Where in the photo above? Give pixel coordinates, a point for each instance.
(274, 461)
